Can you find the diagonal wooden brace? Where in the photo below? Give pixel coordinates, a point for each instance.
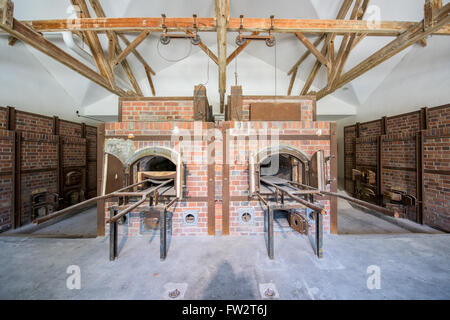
(6, 13)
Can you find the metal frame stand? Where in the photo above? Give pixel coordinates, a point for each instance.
(163, 234)
(113, 236)
(270, 240)
(319, 235)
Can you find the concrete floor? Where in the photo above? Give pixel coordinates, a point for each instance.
(75, 225)
(354, 220)
(412, 265)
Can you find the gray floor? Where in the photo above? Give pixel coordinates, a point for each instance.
(75, 225)
(357, 220)
(411, 265)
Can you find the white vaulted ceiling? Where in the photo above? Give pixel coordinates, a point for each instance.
(30, 80)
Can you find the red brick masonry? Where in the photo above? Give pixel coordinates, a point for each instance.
(160, 124)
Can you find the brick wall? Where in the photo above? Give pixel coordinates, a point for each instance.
(74, 152)
(306, 103)
(239, 106)
(33, 123)
(439, 117)
(366, 158)
(366, 152)
(407, 123)
(6, 166)
(289, 134)
(437, 179)
(369, 129)
(157, 109)
(349, 157)
(3, 118)
(70, 129)
(399, 166)
(38, 151)
(194, 155)
(196, 170)
(91, 140)
(39, 158)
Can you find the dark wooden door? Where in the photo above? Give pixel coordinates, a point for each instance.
(114, 174)
(317, 171)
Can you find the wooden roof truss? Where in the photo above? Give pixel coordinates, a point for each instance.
(436, 21)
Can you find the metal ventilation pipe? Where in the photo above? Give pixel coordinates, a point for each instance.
(70, 42)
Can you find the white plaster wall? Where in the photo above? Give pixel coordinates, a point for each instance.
(256, 77)
(26, 85)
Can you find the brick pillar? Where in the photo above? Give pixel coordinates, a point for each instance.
(234, 110)
(200, 104)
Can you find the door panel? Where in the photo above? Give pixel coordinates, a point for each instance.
(114, 174)
(275, 112)
(317, 171)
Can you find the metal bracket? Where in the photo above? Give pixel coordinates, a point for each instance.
(298, 223)
(242, 38)
(166, 37)
(196, 38)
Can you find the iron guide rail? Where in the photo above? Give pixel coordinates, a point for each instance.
(302, 189)
(308, 204)
(269, 216)
(361, 203)
(114, 228)
(137, 204)
(118, 193)
(163, 230)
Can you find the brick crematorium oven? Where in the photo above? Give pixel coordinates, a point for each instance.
(401, 162)
(168, 160)
(46, 164)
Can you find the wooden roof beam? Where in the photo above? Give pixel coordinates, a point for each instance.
(221, 18)
(291, 83)
(341, 14)
(95, 46)
(25, 34)
(306, 26)
(314, 71)
(403, 41)
(132, 46)
(239, 49)
(12, 41)
(306, 54)
(312, 48)
(98, 9)
(150, 81)
(96, 6)
(115, 49)
(136, 53)
(359, 38)
(430, 9)
(127, 68)
(329, 37)
(347, 43)
(206, 50)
